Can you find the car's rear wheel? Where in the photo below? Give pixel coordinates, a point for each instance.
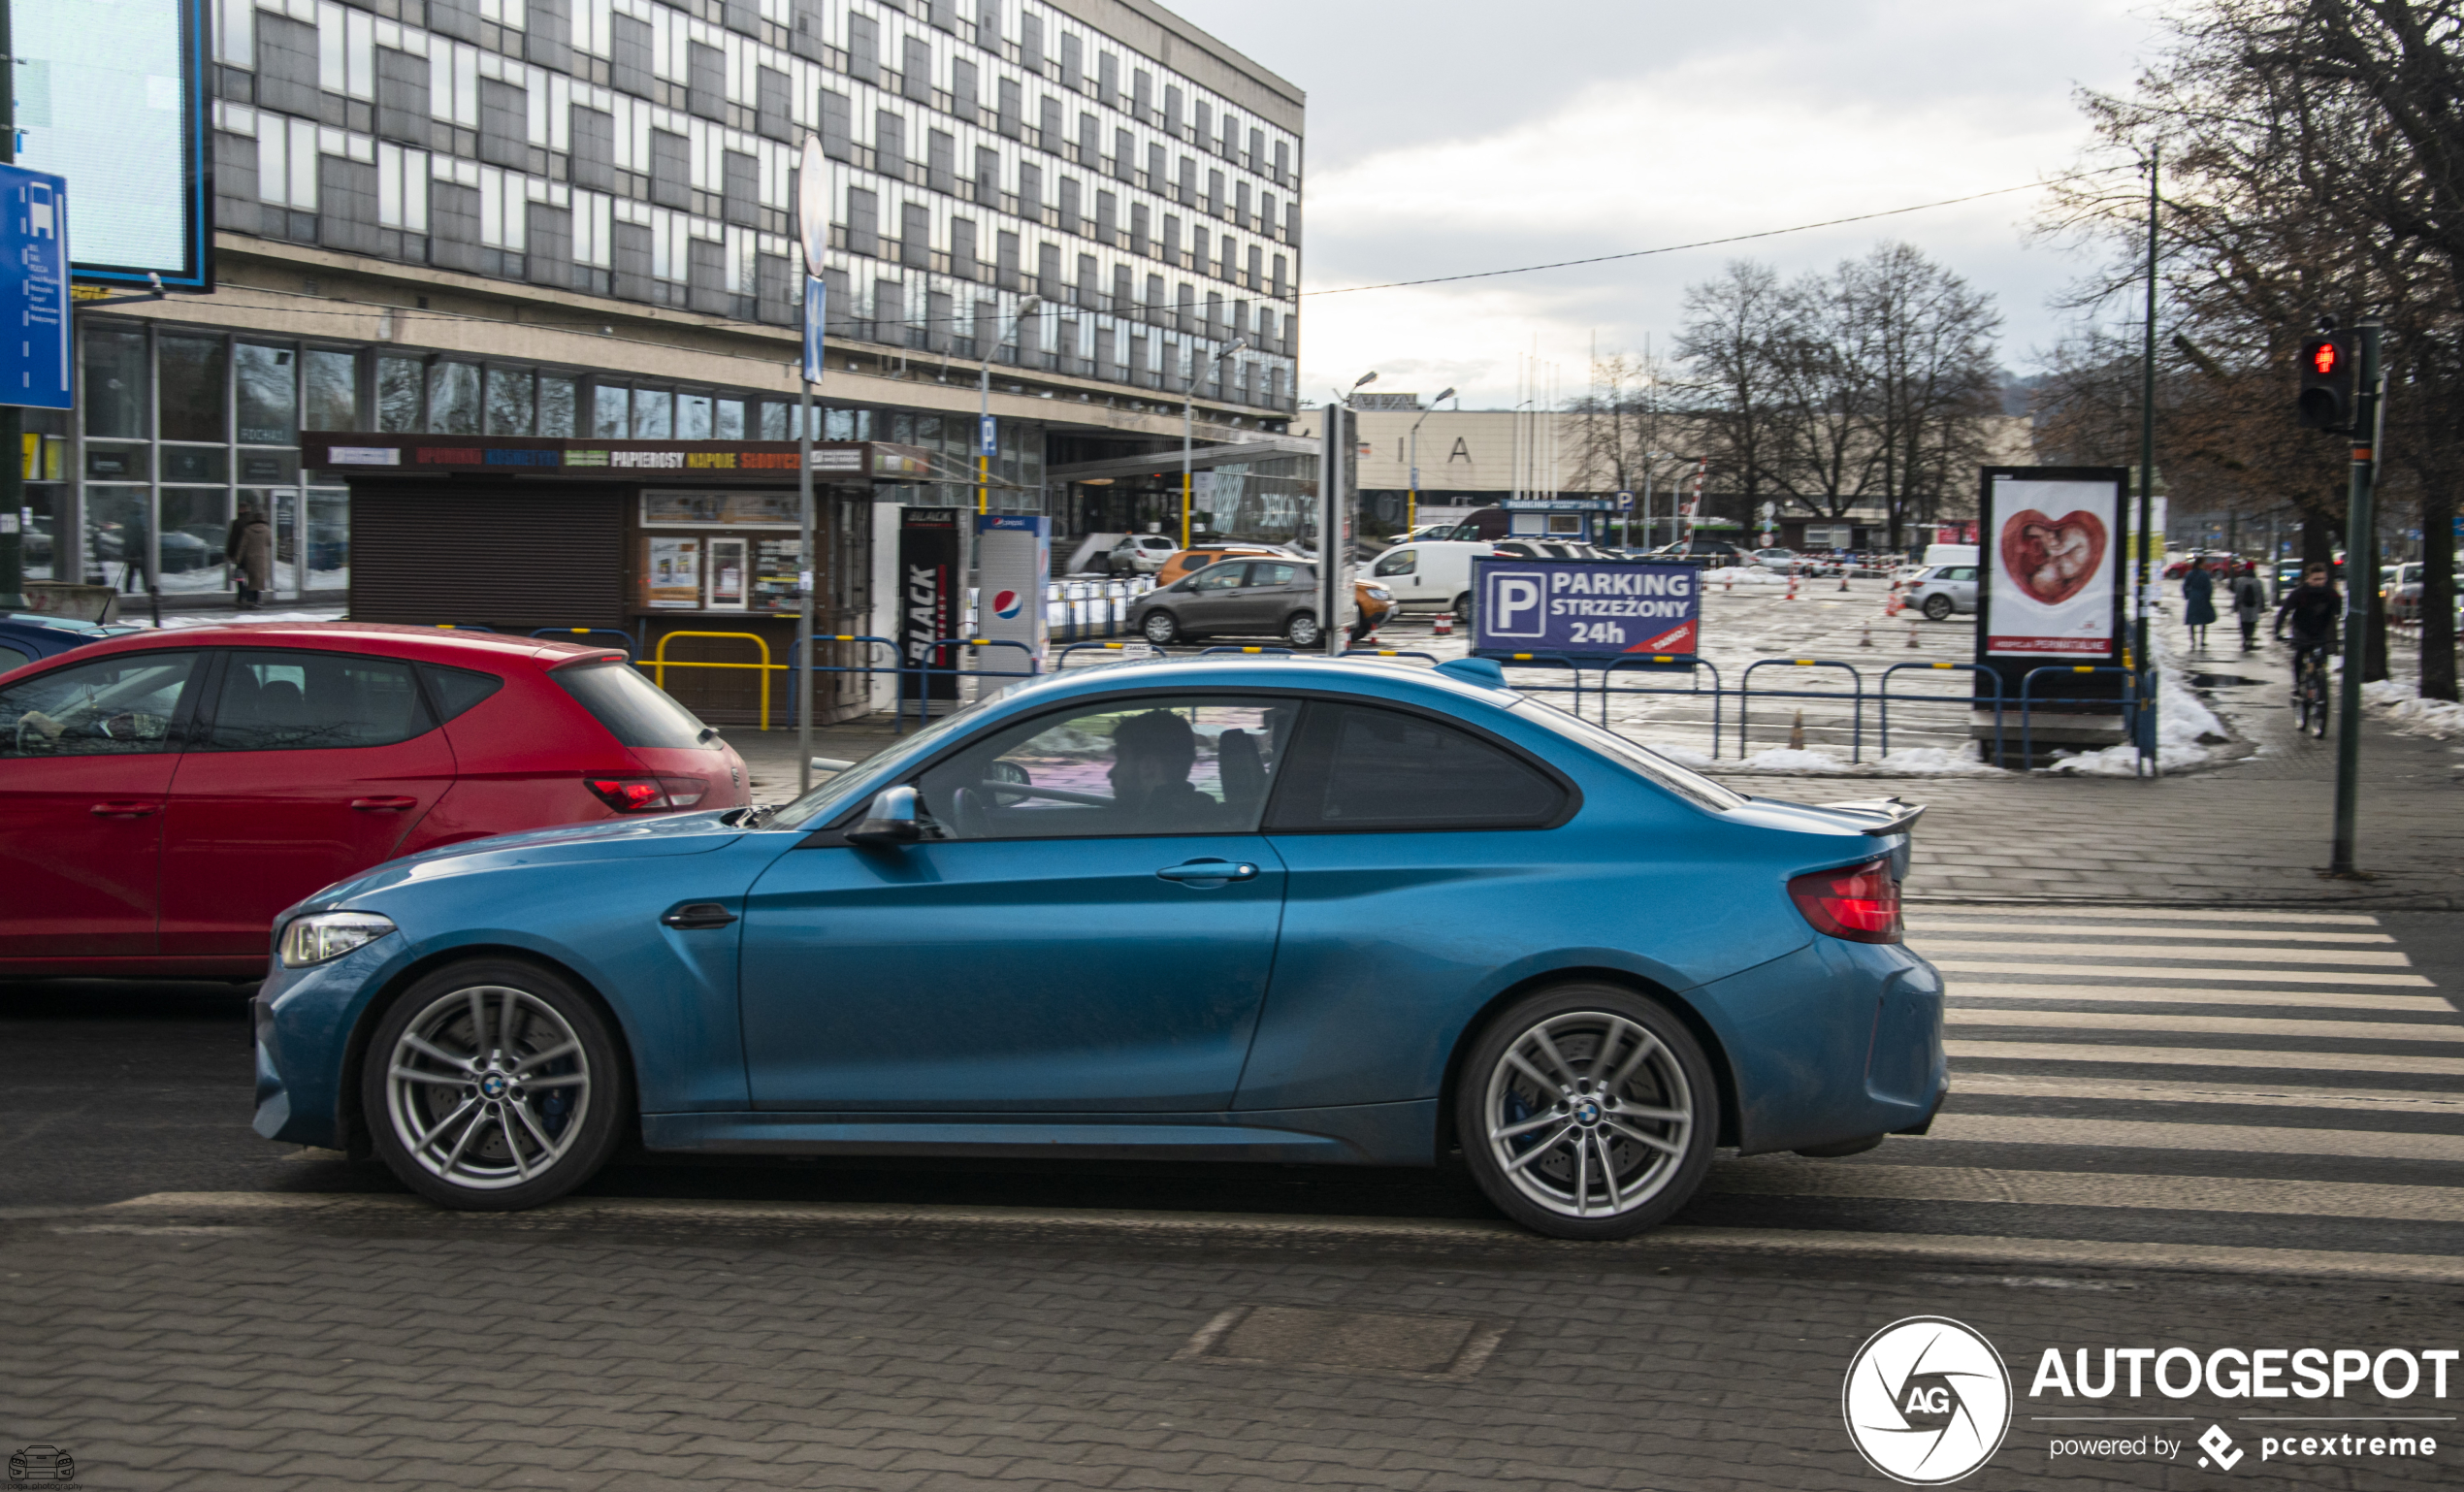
(1160, 628)
(1937, 607)
(1587, 1112)
(1462, 609)
(494, 1085)
(1301, 632)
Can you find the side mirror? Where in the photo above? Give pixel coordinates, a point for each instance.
(892, 820)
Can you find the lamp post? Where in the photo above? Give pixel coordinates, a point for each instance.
(1188, 425)
(984, 412)
(1334, 520)
(1412, 494)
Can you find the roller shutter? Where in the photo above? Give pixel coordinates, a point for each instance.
(511, 558)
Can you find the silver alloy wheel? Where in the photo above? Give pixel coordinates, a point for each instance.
(1301, 632)
(488, 1088)
(1588, 1114)
(1160, 628)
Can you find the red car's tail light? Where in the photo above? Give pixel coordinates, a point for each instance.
(1861, 903)
(647, 795)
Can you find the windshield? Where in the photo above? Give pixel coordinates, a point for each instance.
(828, 797)
(1680, 780)
(634, 710)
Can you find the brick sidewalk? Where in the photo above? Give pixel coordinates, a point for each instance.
(463, 1351)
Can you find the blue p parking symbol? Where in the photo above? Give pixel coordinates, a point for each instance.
(1513, 606)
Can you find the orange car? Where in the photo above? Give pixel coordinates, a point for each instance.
(1200, 556)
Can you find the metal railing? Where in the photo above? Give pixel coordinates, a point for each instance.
(1882, 694)
(1665, 662)
(2131, 705)
(661, 663)
(1856, 698)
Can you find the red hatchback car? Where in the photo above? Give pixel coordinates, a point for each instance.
(163, 796)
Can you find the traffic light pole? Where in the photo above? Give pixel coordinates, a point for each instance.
(2360, 580)
(12, 418)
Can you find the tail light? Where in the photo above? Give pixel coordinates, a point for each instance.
(1861, 903)
(647, 795)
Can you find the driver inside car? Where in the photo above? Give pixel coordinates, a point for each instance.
(1152, 756)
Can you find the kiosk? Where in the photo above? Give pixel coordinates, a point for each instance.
(686, 552)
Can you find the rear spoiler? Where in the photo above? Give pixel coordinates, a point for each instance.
(1890, 815)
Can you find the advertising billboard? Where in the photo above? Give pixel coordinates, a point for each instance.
(111, 96)
(2052, 581)
(928, 597)
(1585, 608)
(1013, 558)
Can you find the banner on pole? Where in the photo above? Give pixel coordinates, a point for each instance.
(816, 316)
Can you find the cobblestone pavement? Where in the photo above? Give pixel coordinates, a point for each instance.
(447, 1350)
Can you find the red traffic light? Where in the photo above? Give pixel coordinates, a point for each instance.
(2324, 357)
(2328, 392)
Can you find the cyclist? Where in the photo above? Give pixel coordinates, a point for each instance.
(2313, 607)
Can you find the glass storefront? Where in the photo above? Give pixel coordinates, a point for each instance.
(180, 429)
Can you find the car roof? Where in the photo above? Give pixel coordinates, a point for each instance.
(433, 644)
(1392, 678)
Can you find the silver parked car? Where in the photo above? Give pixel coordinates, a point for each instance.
(1944, 588)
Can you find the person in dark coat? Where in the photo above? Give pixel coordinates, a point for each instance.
(2249, 600)
(2198, 591)
(249, 548)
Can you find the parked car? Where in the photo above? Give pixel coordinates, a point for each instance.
(28, 635)
(1433, 573)
(199, 781)
(1709, 553)
(1942, 590)
(1552, 549)
(1263, 908)
(1782, 560)
(1198, 557)
(1140, 554)
(1252, 597)
(2403, 589)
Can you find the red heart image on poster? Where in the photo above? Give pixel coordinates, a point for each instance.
(2052, 558)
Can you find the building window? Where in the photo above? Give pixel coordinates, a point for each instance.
(194, 389)
(400, 381)
(118, 386)
(511, 402)
(269, 394)
(453, 399)
(329, 387)
(611, 412)
(915, 71)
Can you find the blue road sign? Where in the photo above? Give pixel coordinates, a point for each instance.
(1585, 608)
(1624, 502)
(816, 315)
(989, 430)
(34, 287)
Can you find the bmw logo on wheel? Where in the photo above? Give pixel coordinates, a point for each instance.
(1005, 604)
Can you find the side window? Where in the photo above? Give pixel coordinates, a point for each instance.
(1401, 561)
(1360, 768)
(1156, 765)
(457, 689)
(109, 707)
(312, 701)
(1262, 576)
(1220, 577)
(1963, 572)
(12, 658)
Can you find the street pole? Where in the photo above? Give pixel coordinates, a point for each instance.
(809, 563)
(2141, 657)
(1649, 460)
(11, 419)
(2360, 580)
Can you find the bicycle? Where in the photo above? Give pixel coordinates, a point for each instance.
(2311, 691)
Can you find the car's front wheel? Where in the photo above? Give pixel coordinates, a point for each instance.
(494, 1085)
(1301, 632)
(1587, 1112)
(1462, 608)
(1160, 628)
(1937, 607)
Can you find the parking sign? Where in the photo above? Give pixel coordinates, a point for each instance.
(1585, 609)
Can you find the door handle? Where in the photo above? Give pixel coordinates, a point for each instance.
(124, 810)
(1216, 871)
(697, 914)
(383, 804)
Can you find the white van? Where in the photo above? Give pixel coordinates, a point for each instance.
(1432, 573)
(1951, 554)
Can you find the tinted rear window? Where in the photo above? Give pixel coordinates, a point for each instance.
(634, 710)
(1362, 769)
(456, 690)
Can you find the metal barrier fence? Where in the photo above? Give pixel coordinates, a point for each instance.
(2131, 702)
(660, 664)
(1856, 698)
(1666, 663)
(1882, 694)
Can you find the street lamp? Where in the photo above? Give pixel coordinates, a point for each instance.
(1188, 423)
(1412, 494)
(983, 409)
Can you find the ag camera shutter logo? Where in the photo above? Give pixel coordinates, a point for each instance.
(1927, 1400)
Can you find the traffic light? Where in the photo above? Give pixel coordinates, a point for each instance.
(2327, 382)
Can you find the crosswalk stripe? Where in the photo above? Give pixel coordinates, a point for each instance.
(2217, 1025)
(2146, 1134)
(2356, 957)
(2258, 1060)
(1794, 1177)
(2161, 995)
(2037, 966)
(2157, 914)
(2272, 1096)
(2108, 930)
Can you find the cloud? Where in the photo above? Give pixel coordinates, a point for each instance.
(1448, 138)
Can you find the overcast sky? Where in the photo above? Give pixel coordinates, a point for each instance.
(1447, 137)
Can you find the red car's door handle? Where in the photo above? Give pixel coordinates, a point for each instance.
(383, 804)
(124, 810)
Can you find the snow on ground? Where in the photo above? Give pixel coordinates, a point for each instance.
(2399, 702)
(2182, 719)
(1833, 761)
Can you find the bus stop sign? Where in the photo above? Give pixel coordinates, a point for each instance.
(34, 280)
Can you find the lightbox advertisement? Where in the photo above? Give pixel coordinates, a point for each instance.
(2052, 557)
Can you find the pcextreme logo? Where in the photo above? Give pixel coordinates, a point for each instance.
(1927, 1400)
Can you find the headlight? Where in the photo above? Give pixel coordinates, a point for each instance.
(321, 936)
(1381, 593)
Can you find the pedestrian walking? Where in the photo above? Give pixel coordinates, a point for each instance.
(249, 549)
(2198, 591)
(2249, 600)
